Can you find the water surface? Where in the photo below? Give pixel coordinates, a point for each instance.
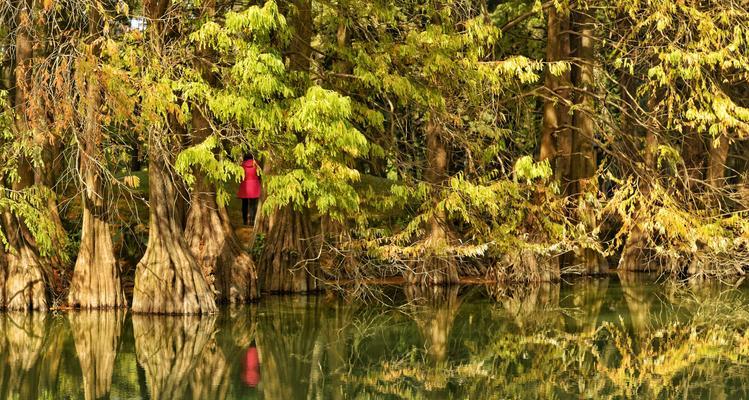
(595, 338)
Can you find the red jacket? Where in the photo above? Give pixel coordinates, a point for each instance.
(250, 186)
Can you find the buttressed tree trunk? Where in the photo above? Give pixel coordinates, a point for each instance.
(584, 161)
(211, 237)
(168, 280)
(435, 268)
(97, 339)
(287, 262)
(96, 279)
(22, 277)
(209, 232)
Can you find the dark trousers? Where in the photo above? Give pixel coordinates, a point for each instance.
(249, 211)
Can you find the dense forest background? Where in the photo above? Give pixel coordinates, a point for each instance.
(432, 140)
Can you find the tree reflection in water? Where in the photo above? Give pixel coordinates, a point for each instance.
(170, 348)
(594, 338)
(97, 339)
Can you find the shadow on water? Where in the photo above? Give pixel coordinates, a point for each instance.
(620, 337)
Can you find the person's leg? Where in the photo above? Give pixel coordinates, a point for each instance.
(245, 210)
(253, 210)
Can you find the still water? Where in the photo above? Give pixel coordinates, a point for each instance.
(625, 337)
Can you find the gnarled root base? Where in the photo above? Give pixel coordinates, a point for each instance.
(434, 268)
(22, 281)
(636, 256)
(431, 271)
(286, 264)
(217, 251)
(169, 281)
(525, 265)
(96, 279)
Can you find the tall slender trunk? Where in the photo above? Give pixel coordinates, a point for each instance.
(584, 162)
(287, 263)
(434, 267)
(168, 280)
(96, 279)
(636, 256)
(563, 146)
(550, 111)
(22, 278)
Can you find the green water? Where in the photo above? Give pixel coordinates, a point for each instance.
(602, 338)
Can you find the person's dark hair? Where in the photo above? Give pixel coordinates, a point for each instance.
(248, 156)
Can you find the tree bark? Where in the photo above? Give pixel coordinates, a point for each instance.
(168, 280)
(550, 111)
(96, 279)
(97, 340)
(584, 161)
(211, 237)
(434, 268)
(22, 277)
(716, 169)
(286, 264)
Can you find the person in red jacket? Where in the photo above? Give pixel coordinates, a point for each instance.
(249, 190)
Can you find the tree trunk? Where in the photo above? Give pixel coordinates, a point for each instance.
(96, 278)
(716, 169)
(286, 265)
(563, 145)
(550, 111)
(97, 340)
(211, 237)
(168, 280)
(636, 256)
(434, 268)
(22, 278)
(584, 161)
